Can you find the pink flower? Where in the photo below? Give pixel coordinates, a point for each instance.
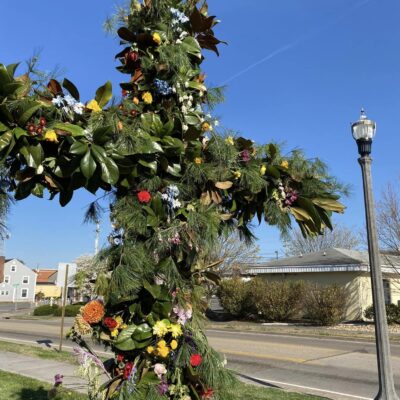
(160, 370)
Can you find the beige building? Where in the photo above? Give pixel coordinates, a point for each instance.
(347, 268)
(46, 283)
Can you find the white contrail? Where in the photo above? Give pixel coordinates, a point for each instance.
(300, 39)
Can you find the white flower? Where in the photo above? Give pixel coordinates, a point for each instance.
(185, 128)
(160, 370)
(58, 101)
(173, 90)
(180, 99)
(179, 41)
(186, 84)
(191, 98)
(78, 108)
(216, 122)
(70, 100)
(176, 203)
(184, 109)
(189, 104)
(164, 196)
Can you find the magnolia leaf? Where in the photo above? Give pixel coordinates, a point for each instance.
(127, 35)
(3, 127)
(18, 132)
(300, 214)
(88, 165)
(329, 204)
(104, 94)
(54, 87)
(11, 68)
(216, 197)
(74, 130)
(191, 45)
(28, 111)
(78, 148)
(72, 89)
(224, 185)
(5, 140)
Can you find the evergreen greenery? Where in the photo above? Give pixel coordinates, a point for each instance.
(176, 184)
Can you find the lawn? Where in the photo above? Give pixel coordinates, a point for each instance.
(17, 387)
(36, 351)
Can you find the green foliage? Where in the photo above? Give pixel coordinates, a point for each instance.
(236, 297)
(71, 310)
(325, 305)
(278, 301)
(392, 313)
(45, 309)
(175, 185)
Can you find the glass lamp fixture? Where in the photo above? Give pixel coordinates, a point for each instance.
(363, 132)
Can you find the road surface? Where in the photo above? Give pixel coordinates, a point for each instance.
(335, 368)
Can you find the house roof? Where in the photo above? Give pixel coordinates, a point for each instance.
(46, 275)
(331, 260)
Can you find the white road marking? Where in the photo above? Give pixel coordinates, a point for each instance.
(311, 388)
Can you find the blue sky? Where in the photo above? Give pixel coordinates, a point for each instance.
(315, 64)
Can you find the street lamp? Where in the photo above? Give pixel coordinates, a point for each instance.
(363, 132)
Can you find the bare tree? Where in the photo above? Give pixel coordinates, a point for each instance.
(388, 219)
(231, 254)
(340, 236)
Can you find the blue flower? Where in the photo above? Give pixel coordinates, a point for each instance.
(162, 87)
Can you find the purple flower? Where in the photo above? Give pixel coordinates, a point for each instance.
(245, 154)
(58, 379)
(182, 314)
(163, 387)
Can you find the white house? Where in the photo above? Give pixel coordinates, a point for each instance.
(17, 281)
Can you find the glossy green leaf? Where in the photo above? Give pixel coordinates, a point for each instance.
(33, 155)
(3, 127)
(102, 135)
(88, 165)
(18, 132)
(78, 148)
(124, 341)
(74, 130)
(27, 112)
(104, 94)
(192, 46)
(11, 68)
(5, 140)
(151, 165)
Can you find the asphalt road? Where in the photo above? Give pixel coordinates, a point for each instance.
(335, 368)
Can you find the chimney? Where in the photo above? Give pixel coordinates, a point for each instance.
(2, 261)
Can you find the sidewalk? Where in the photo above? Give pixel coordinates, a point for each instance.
(42, 370)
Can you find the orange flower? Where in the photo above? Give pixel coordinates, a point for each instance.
(93, 312)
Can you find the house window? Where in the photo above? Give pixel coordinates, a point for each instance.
(13, 268)
(3, 292)
(25, 279)
(386, 291)
(24, 293)
(7, 279)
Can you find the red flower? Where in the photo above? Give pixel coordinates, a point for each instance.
(128, 369)
(196, 360)
(144, 196)
(120, 358)
(124, 93)
(110, 323)
(207, 394)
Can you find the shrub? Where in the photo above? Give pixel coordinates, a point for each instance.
(277, 301)
(392, 313)
(325, 305)
(235, 298)
(46, 309)
(71, 310)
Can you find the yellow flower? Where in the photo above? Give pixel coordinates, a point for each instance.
(174, 344)
(176, 330)
(135, 100)
(156, 38)
(163, 351)
(51, 136)
(263, 169)
(114, 332)
(150, 349)
(160, 328)
(147, 97)
(230, 140)
(123, 326)
(285, 164)
(205, 126)
(237, 174)
(161, 344)
(93, 105)
(119, 321)
(198, 160)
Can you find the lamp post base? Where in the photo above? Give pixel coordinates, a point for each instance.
(391, 395)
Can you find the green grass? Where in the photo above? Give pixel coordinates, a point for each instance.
(36, 351)
(17, 387)
(243, 391)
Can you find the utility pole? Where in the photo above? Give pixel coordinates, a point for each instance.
(63, 307)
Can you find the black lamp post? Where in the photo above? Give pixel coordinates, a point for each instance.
(363, 132)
